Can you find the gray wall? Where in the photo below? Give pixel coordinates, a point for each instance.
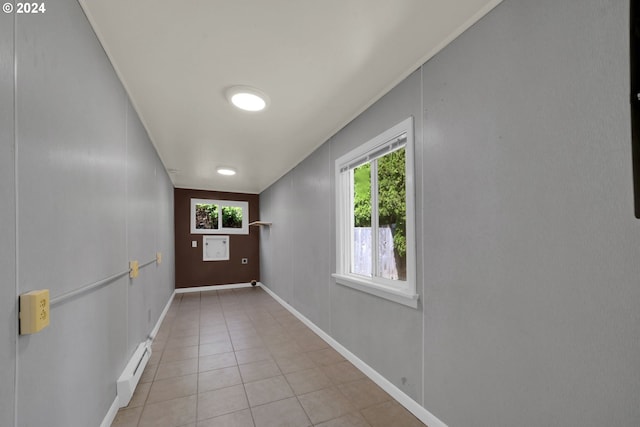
(8, 314)
(527, 243)
(92, 194)
(298, 251)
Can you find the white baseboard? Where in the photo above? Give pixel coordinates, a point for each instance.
(155, 329)
(111, 414)
(414, 407)
(212, 288)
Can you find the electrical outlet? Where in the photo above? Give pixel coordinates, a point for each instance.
(245, 260)
(34, 311)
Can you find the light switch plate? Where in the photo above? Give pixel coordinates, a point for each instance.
(194, 243)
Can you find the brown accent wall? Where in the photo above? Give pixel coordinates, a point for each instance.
(190, 269)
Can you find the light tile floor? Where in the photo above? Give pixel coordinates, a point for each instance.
(237, 358)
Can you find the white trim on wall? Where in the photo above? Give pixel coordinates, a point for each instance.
(111, 413)
(212, 288)
(156, 328)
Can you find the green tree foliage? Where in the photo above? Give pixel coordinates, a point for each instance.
(392, 197)
(362, 195)
(206, 216)
(231, 217)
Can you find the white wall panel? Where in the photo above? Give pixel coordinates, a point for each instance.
(532, 272)
(8, 313)
(527, 241)
(92, 195)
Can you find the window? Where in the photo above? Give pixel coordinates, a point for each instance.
(375, 216)
(219, 217)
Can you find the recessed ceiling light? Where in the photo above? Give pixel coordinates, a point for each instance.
(224, 170)
(247, 98)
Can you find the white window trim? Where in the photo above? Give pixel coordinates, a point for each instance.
(220, 204)
(384, 288)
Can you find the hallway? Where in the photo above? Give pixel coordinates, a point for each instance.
(238, 358)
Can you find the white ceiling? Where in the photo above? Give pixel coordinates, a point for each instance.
(321, 62)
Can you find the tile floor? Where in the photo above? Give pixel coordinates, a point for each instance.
(237, 358)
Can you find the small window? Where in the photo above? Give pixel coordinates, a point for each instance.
(219, 217)
(375, 216)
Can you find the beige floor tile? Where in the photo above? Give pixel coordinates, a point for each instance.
(148, 374)
(293, 363)
(353, 419)
(267, 390)
(246, 343)
(246, 333)
(217, 361)
(277, 339)
(139, 395)
(219, 378)
(312, 343)
(236, 325)
(342, 372)
(236, 419)
(183, 341)
(176, 369)
(325, 405)
(363, 393)
(272, 331)
(212, 320)
(213, 329)
(283, 413)
(214, 338)
(285, 349)
(390, 414)
(184, 330)
(173, 388)
(327, 356)
(155, 358)
(218, 352)
(250, 355)
(180, 353)
(127, 417)
(215, 348)
(308, 380)
(172, 413)
(223, 401)
(158, 345)
(259, 370)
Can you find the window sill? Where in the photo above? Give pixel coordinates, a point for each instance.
(363, 285)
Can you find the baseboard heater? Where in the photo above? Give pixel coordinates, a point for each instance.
(132, 372)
